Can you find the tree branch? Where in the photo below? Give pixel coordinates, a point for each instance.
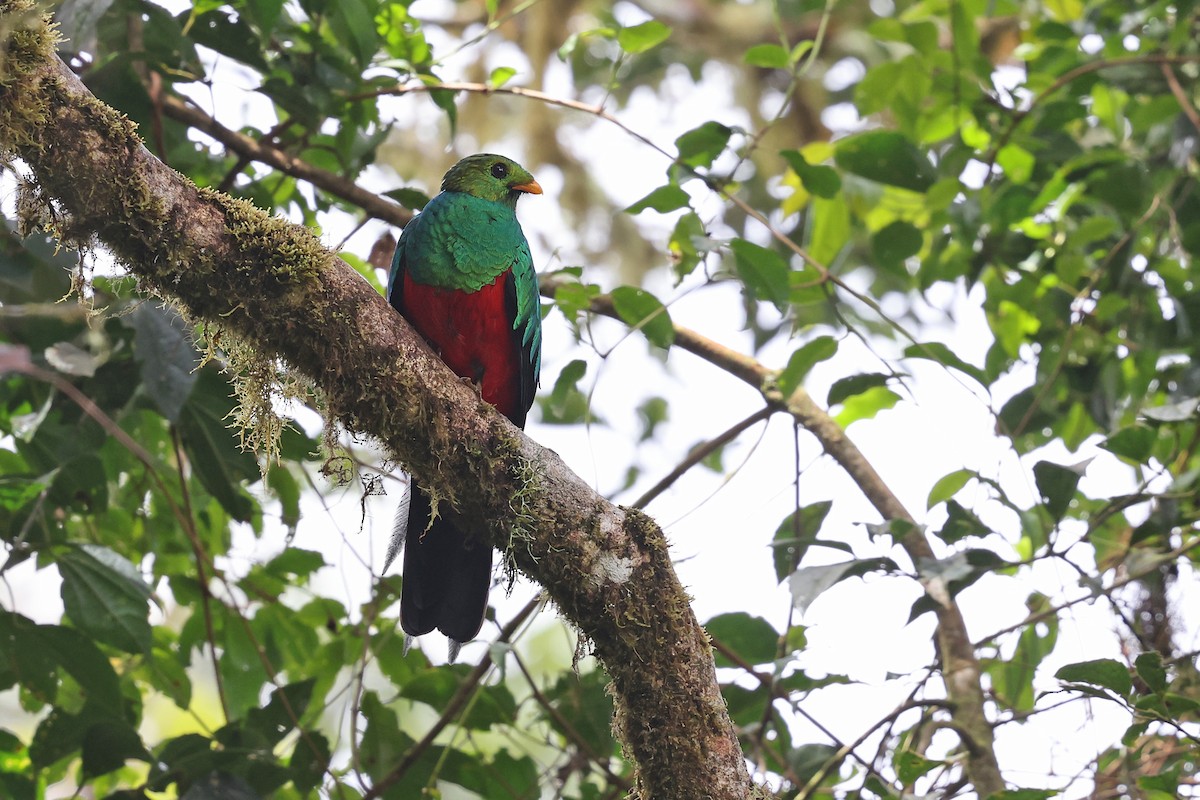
(960, 666)
(273, 285)
(254, 150)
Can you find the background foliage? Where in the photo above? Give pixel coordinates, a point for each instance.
(902, 206)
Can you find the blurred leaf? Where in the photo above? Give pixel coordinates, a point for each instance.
(764, 271)
(819, 179)
(663, 199)
(566, 404)
(769, 56)
(942, 354)
(961, 523)
(1103, 672)
(640, 38)
(700, 146)
(409, 198)
(1150, 669)
(1133, 442)
(642, 310)
(887, 157)
(500, 76)
(802, 360)
(948, 485)
(1056, 485)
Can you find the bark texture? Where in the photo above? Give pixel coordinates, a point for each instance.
(275, 286)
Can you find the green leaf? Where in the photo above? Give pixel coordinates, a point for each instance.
(821, 180)
(910, 766)
(1133, 442)
(807, 583)
(409, 197)
(886, 157)
(353, 23)
(1150, 669)
(792, 540)
(830, 229)
(866, 405)
(854, 385)
(942, 354)
(214, 453)
(961, 523)
(700, 146)
(1056, 485)
(653, 411)
(947, 486)
(107, 744)
(640, 38)
(105, 597)
(688, 241)
(895, 242)
(642, 310)
(309, 761)
(768, 56)
(664, 199)
(500, 76)
(1104, 672)
(166, 356)
(751, 638)
(566, 404)
(803, 359)
(764, 271)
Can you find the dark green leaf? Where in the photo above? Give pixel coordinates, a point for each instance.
(166, 356)
(887, 157)
(700, 146)
(961, 523)
(218, 461)
(895, 242)
(1056, 485)
(821, 180)
(1150, 669)
(663, 199)
(106, 597)
(1104, 672)
(107, 744)
(642, 310)
(1133, 442)
(310, 759)
(855, 385)
(910, 766)
(764, 271)
(751, 638)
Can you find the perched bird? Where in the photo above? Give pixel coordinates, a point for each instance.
(463, 277)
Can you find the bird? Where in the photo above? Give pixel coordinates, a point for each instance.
(463, 277)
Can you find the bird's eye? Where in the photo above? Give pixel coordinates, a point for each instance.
(499, 170)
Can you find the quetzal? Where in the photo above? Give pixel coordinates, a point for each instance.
(463, 277)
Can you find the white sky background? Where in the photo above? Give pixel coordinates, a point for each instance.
(720, 534)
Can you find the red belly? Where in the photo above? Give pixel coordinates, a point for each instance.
(473, 334)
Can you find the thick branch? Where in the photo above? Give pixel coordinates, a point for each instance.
(272, 284)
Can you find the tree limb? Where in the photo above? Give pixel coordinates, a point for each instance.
(273, 285)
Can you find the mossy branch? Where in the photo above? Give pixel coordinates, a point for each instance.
(274, 285)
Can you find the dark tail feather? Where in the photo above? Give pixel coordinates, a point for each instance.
(446, 575)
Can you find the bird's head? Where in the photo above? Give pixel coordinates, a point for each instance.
(490, 177)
